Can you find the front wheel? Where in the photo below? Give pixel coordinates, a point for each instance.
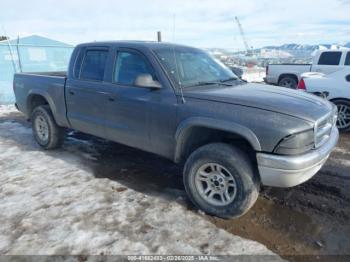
(343, 122)
(45, 130)
(220, 180)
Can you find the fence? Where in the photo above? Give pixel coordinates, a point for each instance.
(28, 58)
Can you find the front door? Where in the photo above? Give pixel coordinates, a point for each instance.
(134, 118)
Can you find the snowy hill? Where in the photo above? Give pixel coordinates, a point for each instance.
(299, 51)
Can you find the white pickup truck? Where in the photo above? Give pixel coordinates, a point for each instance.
(335, 87)
(288, 75)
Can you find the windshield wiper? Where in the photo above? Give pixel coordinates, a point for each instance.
(204, 83)
(228, 79)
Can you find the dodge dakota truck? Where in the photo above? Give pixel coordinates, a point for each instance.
(231, 137)
(326, 61)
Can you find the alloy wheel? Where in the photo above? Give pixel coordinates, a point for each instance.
(215, 184)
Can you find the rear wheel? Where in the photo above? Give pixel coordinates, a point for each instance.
(288, 82)
(343, 122)
(220, 180)
(45, 130)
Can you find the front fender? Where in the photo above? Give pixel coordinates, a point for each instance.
(185, 125)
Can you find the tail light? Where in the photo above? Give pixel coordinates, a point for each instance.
(267, 69)
(301, 85)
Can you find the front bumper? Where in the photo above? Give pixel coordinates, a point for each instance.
(289, 171)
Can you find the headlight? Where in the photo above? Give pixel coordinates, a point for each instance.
(296, 144)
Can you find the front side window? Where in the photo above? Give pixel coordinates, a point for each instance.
(347, 59)
(330, 58)
(189, 66)
(93, 67)
(129, 65)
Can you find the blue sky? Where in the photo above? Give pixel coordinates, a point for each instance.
(205, 23)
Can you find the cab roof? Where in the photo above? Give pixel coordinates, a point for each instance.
(135, 43)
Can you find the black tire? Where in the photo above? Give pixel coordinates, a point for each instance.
(238, 164)
(55, 134)
(342, 105)
(288, 82)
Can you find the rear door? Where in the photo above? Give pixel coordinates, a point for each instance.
(86, 95)
(329, 62)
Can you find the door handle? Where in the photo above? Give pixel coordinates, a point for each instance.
(111, 99)
(71, 92)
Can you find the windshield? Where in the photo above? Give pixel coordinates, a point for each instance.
(190, 67)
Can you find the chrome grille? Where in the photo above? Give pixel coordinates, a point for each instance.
(323, 128)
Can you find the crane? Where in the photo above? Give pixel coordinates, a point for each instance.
(248, 49)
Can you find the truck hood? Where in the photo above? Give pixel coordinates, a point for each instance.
(272, 98)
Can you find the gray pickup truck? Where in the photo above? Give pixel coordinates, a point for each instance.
(178, 102)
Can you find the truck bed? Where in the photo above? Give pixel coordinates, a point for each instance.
(50, 85)
(292, 64)
(53, 73)
(275, 72)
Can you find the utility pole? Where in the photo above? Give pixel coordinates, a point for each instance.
(174, 22)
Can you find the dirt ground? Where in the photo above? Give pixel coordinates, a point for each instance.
(310, 219)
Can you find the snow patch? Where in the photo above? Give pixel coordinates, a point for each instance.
(341, 150)
(6, 109)
(343, 162)
(254, 75)
(51, 204)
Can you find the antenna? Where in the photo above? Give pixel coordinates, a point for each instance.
(248, 50)
(178, 76)
(19, 56)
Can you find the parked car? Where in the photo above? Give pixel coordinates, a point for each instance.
(288, 75)
(336, 88)
(180, 103)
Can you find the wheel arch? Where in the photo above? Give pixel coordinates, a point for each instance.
(339, 99)
(198, 131)
(346, 128)
(39, 97)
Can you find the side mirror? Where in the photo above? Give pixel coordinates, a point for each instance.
(146, 81)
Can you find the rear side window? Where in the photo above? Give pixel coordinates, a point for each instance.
(347, 59)
(330, 58)
(93, 67)
(77, 65)
(129, 66)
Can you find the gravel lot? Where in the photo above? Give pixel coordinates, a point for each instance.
(95, 196)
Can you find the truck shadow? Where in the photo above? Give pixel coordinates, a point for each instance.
(135, 169)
